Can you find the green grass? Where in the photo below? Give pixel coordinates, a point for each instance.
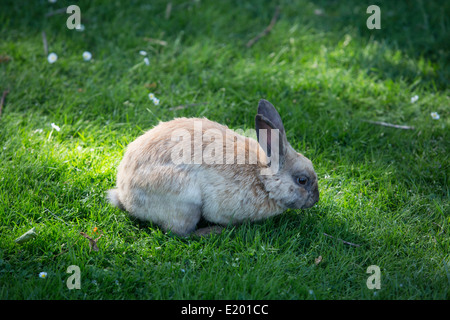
(382, 188)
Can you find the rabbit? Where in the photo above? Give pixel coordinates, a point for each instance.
(154, 185)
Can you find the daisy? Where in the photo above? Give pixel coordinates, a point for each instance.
(146, 61)
(435, 115)
(52, 57)
(43, 275)
(151, 96)
(87, 56)
(414, 99)
(156, 101)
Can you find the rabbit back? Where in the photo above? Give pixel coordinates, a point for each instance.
(151, 187)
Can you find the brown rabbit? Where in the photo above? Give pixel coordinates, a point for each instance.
(189, 168)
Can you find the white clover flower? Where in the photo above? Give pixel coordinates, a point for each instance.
(87, 56)
(54, 126)
(414, 99)
(43, 275)
(146, 61)
(52, 57)
(435, 115)
(143, 53)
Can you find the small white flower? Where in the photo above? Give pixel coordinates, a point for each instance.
(91, 150)
(38, 131)
(151, 96)
(80, 27)
(54, 126)
(87, 56)
(435, 115)
(143, 53)
(52, 57)
(311, 292)
(4, 148)
(414, 99)
(146, 61)
(156, 101)
(182, 270)
(43, 275)
(79, 148)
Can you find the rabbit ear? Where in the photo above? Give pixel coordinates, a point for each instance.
(268, 110)
(278, 144)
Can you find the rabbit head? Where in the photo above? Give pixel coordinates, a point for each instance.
(290, 177)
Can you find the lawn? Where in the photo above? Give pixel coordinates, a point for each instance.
(384, 190)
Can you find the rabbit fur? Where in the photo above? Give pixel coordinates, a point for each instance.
(150, 186)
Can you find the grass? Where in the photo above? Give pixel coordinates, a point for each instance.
(382, 188)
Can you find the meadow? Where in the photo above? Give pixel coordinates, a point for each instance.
(384, 190)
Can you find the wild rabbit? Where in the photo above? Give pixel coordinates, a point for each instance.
(188, 168)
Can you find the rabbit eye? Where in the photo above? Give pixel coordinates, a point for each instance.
(302, 180)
